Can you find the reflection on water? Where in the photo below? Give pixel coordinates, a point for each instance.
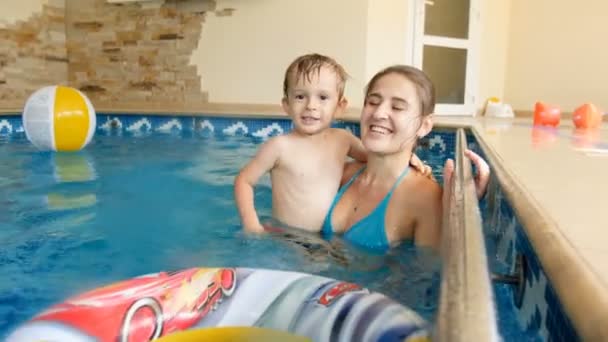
(405, 266)
(585, 137)
(76, 167)
(73, 167)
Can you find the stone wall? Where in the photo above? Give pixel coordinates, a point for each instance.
(33, 54)
(132, 53)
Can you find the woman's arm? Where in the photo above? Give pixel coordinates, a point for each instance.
(427, 229)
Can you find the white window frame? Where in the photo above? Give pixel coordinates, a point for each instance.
(417, 40)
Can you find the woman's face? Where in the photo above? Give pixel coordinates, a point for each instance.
(391, 117)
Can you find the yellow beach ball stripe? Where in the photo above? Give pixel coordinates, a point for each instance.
(71, 119)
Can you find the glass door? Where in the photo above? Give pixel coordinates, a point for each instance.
(445, 47)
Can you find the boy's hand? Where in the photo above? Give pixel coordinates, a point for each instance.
(254, 228)
(421, 167)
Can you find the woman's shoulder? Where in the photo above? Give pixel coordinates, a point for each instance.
(419, 190)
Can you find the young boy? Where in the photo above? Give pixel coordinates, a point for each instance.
(306, 164)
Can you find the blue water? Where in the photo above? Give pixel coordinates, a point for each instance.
(130, 205)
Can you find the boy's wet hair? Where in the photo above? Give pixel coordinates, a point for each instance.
(424, 85)
(308, 65)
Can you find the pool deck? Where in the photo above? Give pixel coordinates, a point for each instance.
(556, 180)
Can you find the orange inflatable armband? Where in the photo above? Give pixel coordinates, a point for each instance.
(587, 116)
(546, 115)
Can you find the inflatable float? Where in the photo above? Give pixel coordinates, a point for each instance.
(226, 304)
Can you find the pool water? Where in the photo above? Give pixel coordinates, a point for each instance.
(134, 204)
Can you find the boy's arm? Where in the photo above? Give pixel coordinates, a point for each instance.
(350, 168)
(266, 158)
(356, 149)
(421, 167)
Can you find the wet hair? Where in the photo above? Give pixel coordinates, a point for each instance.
(308, 65)
(424, 86)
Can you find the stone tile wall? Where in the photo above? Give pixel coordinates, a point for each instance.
(130, 52)
(33, 54)
(133, 53)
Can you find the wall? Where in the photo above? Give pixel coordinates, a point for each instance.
(125, 53)
(19, 10)
(494, 41)
(557, 53)
(32, 49)
(388, 35)
(239, 55)
(242, 58)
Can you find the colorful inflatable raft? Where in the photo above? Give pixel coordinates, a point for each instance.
(215, 302)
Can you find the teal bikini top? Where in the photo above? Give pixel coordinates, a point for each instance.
(370, 231)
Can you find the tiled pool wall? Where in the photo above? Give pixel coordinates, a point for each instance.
(540, 314)
(440, 140)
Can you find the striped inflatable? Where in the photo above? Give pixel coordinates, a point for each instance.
(226, 304)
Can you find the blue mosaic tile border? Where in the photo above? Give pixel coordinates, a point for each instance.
(443, 141)
(138, 124)
(541, 312)
(10, 125)
(440, 142)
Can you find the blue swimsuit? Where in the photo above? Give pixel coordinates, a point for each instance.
(369, 232)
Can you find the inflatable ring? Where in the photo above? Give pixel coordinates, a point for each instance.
(229, 334)
(192, 303)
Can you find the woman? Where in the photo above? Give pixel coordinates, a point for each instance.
(383, 203)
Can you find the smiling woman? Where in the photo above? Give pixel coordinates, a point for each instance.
(368, 209)
(376, 207)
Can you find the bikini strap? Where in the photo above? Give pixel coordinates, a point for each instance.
(401, 176)
(354, 176)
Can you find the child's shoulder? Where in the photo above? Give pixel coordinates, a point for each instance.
(340, 133)
(280, 143)
(277, 142)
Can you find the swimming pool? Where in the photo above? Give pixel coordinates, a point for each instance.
(155, 193)
(140, 202)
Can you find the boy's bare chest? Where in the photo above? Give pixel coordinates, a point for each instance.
(308, 163)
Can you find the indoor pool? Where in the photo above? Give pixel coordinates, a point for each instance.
(154, 194)
(131, 204)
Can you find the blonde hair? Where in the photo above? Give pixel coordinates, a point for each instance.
(424, 86)
(308, 65)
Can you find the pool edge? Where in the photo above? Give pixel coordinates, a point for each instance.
(582, 293)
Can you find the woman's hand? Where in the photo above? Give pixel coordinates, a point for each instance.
(481, 179)
(483, 172)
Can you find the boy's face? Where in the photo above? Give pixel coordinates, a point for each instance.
(313, 105)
